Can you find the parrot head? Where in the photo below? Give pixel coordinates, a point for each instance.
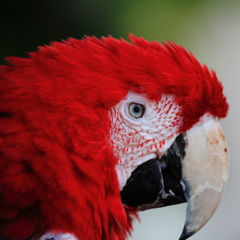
(93, 131)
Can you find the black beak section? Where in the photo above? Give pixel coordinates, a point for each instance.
(157, 182)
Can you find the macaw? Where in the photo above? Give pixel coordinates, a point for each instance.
(94, 130)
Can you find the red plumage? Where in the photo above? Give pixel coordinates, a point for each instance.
(57, 168)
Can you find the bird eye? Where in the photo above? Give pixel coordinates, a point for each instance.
(136, 110)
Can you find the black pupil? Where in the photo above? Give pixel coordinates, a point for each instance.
(136, 109)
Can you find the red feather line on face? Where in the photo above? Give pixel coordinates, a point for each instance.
(57, 166)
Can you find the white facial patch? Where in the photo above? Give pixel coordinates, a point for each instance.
(142, 129)
(57, 236)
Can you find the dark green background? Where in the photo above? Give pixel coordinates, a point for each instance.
(26, 24)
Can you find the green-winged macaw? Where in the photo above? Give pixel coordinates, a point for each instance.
(93, 131)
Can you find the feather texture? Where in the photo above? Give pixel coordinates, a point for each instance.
(57, 168)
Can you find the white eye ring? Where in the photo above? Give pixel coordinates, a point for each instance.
(136, 109)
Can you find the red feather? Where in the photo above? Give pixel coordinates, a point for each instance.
(57, 169)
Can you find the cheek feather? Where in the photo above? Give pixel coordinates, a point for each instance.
(136, 141)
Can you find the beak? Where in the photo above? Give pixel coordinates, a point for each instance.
(204, 173)
(193, 169)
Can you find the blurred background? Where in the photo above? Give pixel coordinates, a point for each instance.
(209, 28)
